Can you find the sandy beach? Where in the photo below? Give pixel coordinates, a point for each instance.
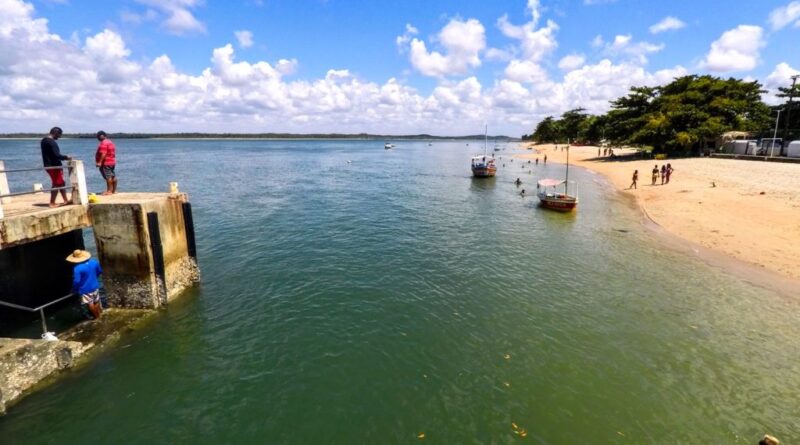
(749, 210)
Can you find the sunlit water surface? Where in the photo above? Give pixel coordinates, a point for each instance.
(372, 301)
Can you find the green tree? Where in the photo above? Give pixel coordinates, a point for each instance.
(548, 130)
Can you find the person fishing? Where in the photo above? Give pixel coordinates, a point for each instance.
(85, 283)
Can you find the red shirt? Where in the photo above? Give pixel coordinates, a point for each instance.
(106, 147)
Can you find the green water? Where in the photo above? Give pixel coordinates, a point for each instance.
(372, 301)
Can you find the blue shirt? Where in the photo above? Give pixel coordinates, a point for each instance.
(84, 277)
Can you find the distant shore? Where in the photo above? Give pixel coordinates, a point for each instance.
(268, 136)
(744, 209)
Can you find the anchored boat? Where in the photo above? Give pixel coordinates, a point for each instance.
(484, 166)
(551, 197)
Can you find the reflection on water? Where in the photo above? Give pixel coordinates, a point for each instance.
(371, 301)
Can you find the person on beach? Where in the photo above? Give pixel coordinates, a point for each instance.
(518, 182)
(545, 159)
(663, 174)
(52, 157)
(655, 175)
(537, 161)
(669, 172)
(635, 179)
(84, 282)
(106, 160)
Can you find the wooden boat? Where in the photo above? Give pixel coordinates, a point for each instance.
(550, 196)
(484, 166)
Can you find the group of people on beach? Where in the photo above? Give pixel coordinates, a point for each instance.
(606, 152)
(105, 160)
(665, 172)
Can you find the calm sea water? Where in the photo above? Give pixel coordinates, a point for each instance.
(373, 301)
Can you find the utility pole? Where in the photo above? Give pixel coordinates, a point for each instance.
(789, 112)
(775, 135)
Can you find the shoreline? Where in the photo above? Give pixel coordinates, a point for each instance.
(741, 216)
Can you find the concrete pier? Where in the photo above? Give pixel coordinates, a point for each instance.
(136, 274)
(145, 245)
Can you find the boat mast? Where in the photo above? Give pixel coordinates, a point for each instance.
(566, 181)
(485, 138)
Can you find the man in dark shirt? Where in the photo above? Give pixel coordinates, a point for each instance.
(52, 157)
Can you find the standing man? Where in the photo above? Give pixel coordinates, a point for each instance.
(106, 160)
(84, 282)
(52, 157)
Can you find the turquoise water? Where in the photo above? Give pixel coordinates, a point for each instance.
(373, 301)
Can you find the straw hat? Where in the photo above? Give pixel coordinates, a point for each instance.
(79, 256)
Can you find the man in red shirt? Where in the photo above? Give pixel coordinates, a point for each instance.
(106, 160)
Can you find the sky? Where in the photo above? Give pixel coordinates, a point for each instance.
(442, 67)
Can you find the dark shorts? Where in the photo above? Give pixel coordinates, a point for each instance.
(108, 171)
(57, 177)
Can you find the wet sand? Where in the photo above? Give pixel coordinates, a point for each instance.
(749, 210)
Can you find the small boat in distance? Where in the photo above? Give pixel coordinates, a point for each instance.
(484, 166)
(388, 146)
(551, 198)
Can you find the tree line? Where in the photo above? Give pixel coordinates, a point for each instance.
(687, 115)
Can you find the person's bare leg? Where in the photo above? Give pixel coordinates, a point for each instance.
(114, 184)
(109, 186)
(53, 196)
(64, 197)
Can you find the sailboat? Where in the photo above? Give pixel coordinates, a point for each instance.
(550, 197)
(484, 166)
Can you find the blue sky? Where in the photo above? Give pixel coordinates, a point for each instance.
(398, 66)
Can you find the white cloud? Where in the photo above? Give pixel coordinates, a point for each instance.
(525, 71)
(571, 62)
(244, 37)
(462, 42)
(535, 43)
(623, 46)
(737, 49)
(669, 23)
(781, 76)
(499, 55)
(779, 18)
(403, 40)
(178, 19)
(96, 82)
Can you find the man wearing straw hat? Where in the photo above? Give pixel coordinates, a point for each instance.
(84, 282)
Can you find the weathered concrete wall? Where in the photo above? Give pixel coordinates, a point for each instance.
(35, 273)
(124, 247)
(26, 228)
(24, 363)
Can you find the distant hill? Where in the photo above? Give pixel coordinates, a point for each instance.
(364, 136)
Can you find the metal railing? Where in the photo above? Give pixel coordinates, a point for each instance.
(39, 309)
(77, 183)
